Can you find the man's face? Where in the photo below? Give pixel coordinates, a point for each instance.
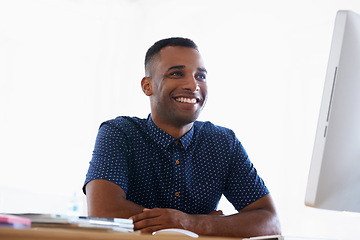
(178, 84)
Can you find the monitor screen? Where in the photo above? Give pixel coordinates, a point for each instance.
(334, 177)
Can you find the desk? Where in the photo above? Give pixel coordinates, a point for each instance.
(71, 234)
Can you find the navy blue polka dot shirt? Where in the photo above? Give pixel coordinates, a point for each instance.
(189, 174)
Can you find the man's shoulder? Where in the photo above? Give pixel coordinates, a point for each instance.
(210, 129)
(126, 122)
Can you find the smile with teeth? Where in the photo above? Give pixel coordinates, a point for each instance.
(186, 100)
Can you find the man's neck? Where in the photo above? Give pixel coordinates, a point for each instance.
(174, 131)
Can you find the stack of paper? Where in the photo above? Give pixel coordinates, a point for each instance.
(116, 224)
(64, 221)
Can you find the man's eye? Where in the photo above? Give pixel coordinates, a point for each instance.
(176, 73)
(201, 77)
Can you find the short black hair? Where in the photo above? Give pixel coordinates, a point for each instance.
(174, 41)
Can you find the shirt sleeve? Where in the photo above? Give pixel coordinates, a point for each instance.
(109, 159)
(244, 185)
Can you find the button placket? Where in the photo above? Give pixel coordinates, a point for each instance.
(179, 172)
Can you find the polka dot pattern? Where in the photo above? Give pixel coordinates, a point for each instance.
(189, 174)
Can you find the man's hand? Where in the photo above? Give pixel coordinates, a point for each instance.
(151, 220)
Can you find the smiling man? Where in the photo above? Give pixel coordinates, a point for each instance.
(170, 170)
(177, 92)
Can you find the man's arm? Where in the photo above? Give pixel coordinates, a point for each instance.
(106, 199)
(259, 218)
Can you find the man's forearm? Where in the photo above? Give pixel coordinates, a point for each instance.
(257, 219)
(243, 224)
(128, 209)
(105, 199)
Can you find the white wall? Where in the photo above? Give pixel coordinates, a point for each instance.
(68, 65)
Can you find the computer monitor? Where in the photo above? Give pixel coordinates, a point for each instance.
(334, 177)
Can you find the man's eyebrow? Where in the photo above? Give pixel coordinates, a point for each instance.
(177, 67)
(183, 66)
(202, 70)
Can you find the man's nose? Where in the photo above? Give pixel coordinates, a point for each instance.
(191, 84)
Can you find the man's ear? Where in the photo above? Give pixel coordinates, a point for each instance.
(146, 85)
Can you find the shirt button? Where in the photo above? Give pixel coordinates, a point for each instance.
(176, 142)
(177, 194)
(177, 162)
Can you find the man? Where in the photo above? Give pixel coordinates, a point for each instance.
(169, 170)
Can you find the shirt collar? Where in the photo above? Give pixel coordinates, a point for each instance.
(186, 139)
(164, 139)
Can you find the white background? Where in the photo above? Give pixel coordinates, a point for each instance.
(68, 65)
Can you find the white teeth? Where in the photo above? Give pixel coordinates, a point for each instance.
(186, 100)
